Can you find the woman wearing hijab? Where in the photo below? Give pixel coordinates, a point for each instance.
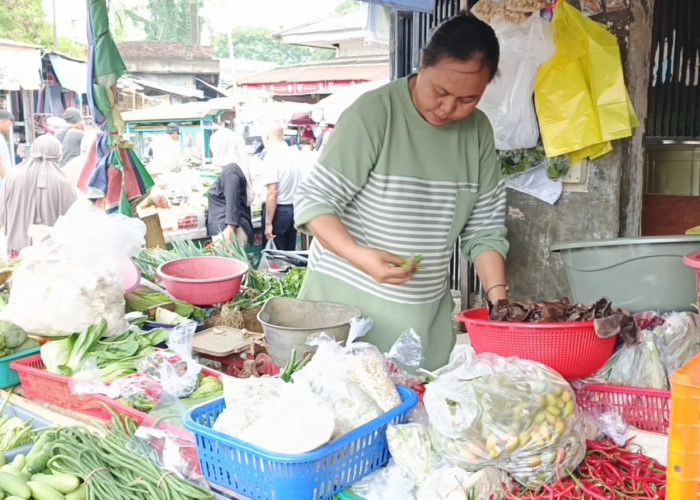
(38, 192)
(232, 193)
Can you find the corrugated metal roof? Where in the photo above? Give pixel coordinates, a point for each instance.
(351, 20)
(325, 73)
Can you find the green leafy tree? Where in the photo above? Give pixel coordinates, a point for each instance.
(347, 5)
(24, 21)
(166, 20)
(260, 44)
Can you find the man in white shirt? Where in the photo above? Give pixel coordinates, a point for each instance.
(166, 151)
(6, 121)
(282, 175)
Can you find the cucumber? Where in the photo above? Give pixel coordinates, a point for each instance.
(19, 462)
(38, 462)
(79, 494)
(43, 440)
(41, 491)
(63, 483)
(14, 485)
(13, 497)
(3, 460)
(11, 469)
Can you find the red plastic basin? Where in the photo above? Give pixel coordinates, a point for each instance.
(203, 281)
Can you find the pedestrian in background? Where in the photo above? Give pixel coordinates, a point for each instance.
(72, 135)
(282, 175)
(6, 121)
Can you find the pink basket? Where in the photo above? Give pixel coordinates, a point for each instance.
(572, 349)
(645, 409)
(203, 281)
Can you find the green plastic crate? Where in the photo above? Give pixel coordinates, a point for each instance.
(8, 376)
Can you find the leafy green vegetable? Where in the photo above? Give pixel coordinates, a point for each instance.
(519, 160)
(82, 345)
(13, 335)
(57, 352)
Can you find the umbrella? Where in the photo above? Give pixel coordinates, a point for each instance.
(114, 175)
(302, 118)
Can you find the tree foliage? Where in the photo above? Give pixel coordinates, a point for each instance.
(166, 20)
(347, 5)
(24, 21)
(260, 44)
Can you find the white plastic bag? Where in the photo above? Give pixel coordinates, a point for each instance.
(267, 263)
(534, 181)
(75, 276)
(508, 99)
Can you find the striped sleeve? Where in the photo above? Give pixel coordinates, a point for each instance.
(341, 171)
(486, 228)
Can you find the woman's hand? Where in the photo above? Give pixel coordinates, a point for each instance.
(382, 266)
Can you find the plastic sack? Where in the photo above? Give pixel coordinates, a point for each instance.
(507, 100)
(610, 424)
(517, 415)
(274, 415)
(76, 274)
(535, 182)
(580, 94)
(267, 263)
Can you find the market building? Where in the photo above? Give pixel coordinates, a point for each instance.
(361, 55)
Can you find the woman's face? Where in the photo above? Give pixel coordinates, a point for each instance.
(450, 90)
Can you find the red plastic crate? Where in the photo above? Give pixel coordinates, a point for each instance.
(645, 409)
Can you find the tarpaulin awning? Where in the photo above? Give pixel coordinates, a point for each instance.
(414, 5)
(170, 89)
(72, 75)
(20, 66)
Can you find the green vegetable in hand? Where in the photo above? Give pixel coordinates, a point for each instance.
(414, 261)
(13, 335)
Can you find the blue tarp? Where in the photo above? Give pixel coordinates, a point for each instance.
(415, 5)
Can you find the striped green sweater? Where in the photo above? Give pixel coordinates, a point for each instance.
(402, 185)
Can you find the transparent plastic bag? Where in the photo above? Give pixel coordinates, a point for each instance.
(507, 100)
(410, 447)
(404, 358)
(513, 414)
(678, 339)
(488, 10)
(610, 424)
(392, 481)
(267, 263)
(326, 375)
(637, 365)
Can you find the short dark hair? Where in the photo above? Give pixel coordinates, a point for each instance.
(463, 37)
(6, 115)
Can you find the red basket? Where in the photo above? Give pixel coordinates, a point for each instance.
(645, 409)
(203, 281)
(572, 349)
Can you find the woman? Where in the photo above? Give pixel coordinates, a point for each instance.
(37, 192)
(410, 170)
(232, 193)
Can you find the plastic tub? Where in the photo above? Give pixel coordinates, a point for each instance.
(203, 281)
(572, 349)
(289, 322)
(8, 376)
(637, 274)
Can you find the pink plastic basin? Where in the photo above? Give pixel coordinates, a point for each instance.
(203, 281)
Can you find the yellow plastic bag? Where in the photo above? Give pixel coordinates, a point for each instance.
(580, 94)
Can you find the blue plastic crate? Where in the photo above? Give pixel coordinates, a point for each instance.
(318, 475)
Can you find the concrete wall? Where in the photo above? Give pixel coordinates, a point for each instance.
(533, 271)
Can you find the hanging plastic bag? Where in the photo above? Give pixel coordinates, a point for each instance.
(580, 94)
(267, 263)
(75, 276)
(507, 100)
(535, 182)
(517, 415)
(678, 339)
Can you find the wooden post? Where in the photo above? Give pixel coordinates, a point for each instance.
(154, 232)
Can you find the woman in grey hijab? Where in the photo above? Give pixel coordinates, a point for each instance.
(36, 192)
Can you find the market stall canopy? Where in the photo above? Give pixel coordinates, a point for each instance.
(189, 110)
(412, 5)
(71, 73)
(20, 66)
(302, 118)
(330, 108)
(259, 113)
(168, 88)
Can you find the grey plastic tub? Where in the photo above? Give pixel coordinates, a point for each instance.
(37, 423)
(288, 323)
(637, 274)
